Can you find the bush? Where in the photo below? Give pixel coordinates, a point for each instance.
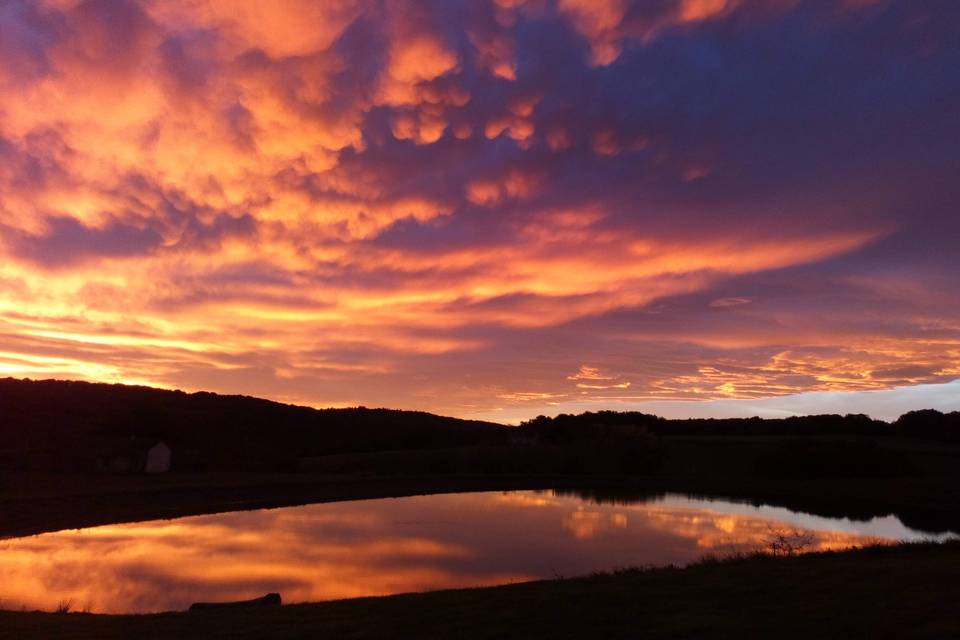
(817, 459)
(931, 424)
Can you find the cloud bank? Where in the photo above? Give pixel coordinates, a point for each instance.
(477, 206)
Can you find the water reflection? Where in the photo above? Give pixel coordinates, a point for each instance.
(376, 547)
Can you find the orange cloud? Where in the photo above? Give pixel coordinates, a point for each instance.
(278, 28)
(598, 21)
(702, 9)
(354, 202)
(413, 60)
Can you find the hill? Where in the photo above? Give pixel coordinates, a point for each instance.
(72, 426)
(61, 425)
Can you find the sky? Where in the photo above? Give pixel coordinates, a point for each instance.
(487, 208)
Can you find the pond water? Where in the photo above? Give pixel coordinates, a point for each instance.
(377, 547)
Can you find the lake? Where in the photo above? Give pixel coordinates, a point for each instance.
(378, 547)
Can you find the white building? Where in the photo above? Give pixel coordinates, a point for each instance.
(158, 458)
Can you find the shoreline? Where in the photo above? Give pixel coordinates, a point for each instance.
(928, 505)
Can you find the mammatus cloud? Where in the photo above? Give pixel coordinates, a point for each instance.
(478, 206)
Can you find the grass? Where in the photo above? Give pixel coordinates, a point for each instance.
(906, 591)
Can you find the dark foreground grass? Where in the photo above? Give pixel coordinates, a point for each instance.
(910, 591)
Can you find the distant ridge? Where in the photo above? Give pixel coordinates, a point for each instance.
(925, 423)
(207, 430)
(65, 425)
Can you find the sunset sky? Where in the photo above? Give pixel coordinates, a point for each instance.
(487, 208)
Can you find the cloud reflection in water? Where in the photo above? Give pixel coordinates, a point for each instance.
(375, 547)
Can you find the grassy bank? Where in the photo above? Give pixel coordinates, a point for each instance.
(894, 592)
